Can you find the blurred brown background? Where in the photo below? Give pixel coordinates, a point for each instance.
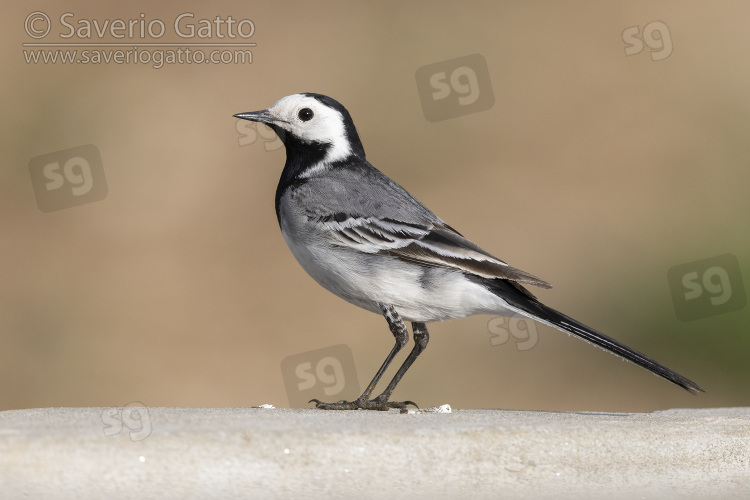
(595, 170)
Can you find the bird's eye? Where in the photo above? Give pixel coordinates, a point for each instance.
(305, 114)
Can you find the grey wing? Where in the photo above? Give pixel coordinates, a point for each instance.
(360, 208)
(429, 245)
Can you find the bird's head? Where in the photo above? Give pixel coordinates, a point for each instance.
(312, 121)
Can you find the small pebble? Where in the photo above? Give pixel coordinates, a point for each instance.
(434, 409)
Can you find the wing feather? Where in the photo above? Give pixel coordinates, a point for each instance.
(426, 244)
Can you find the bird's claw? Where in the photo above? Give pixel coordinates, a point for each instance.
(363, 404)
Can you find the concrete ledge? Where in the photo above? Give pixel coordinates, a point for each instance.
(139, 452)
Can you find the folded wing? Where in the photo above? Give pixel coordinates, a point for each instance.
(426, 244)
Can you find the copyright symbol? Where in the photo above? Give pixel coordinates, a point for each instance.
(37, 25)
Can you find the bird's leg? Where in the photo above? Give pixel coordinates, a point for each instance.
(397, 327)
(421, 338)
(401, 335)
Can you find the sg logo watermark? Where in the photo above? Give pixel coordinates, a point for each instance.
(249, 132)
(133, 418)
(655, 36)
(522, 330)
(707, 287)
(455, 87)
(327, 373)
(68, 178)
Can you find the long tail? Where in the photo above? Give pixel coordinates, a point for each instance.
(519, 298)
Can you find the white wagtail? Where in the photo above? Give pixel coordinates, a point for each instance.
(366, 239)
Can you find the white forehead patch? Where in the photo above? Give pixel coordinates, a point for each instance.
(326, 125)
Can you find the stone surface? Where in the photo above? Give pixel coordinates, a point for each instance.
(199, 453)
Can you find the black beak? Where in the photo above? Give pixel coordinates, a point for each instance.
(257, 116)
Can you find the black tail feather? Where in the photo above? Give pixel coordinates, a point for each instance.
(554, 318)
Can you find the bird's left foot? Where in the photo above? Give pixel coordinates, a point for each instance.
(363, 404)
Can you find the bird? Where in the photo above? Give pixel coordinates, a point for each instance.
(364, 238)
